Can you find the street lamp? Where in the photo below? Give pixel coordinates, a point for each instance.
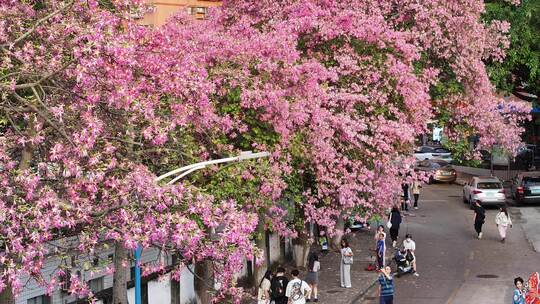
(183, 171)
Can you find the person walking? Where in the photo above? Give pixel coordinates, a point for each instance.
(395, 220)
(503, 221)
(297, 290)
(263, 295)
(416, 193)
(312, 277)
(278, 287)
(519, 293)
(405, 202)
(386, 286)
(479, 218)
(346, 262)
(381, 251)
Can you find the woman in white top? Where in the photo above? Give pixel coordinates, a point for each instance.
(312, 277)
(346, 262)
(263, 296)
(503, 221)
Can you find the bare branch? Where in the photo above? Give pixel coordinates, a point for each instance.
(44, 116)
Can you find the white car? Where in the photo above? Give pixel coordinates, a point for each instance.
(427, 152)
(488, 190)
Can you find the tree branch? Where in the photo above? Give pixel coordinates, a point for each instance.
(38, 23)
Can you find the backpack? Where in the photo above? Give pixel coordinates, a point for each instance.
(296, 291)
(278, 286)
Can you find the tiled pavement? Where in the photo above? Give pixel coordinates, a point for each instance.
(329, 283)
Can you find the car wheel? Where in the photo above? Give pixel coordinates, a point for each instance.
(465, 200)
(470, 204)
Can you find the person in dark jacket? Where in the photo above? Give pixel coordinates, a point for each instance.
(479, 218)
(278, 287)
(395, 219)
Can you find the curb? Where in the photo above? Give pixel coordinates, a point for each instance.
(361, 295)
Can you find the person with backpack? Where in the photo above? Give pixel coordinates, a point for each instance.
(503, 221)
(312, 277)
(278, 287)
(263, 295)
(479, 218)
(297, 290)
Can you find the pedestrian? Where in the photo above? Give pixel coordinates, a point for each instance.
(381, 250)
(519, 293)
(312, 277)
(263, 296)
(409, 245)
(278, 287)
(297, 290)
(395, 220)
(346, 262)
(416, 193)
(386, 287)
(405, 202)
(380, 229)
(479, 218)
(503, 221)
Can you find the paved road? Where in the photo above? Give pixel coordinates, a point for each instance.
(451, 259)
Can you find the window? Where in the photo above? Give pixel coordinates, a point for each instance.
(489, 185)
(531, 180)
(198, 12)
(96, 285)
(426, 150)
(441, 150)
(43, 299)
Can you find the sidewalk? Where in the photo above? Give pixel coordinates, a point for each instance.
(330, 290)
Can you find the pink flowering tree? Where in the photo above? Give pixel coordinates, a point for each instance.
(85, 128)
(94, 106)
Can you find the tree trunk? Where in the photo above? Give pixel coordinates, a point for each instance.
(302, 246)
(120, 275)
(204, 282)
(6, 296)
(258, 271)
(175, 285)
(340, 229)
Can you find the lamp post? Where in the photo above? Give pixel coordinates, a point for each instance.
(183, 171)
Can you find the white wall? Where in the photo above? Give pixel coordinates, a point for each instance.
(187, 290)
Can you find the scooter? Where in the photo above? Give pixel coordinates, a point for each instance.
(403, 262)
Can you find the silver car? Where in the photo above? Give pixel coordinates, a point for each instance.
(488, 190)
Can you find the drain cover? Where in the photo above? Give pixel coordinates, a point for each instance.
(487, 276)
(333, 291)
(454, 196)
(369, 298)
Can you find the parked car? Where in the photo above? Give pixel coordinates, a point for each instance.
(439, 170)
(430, 152)
(526, 187)
(487, 189)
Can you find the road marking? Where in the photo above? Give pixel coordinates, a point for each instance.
(453, 295)
(471, 256)
(432, 201)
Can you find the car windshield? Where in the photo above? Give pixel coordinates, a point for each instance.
(489, 185)
(441, 150)
(531, 180)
